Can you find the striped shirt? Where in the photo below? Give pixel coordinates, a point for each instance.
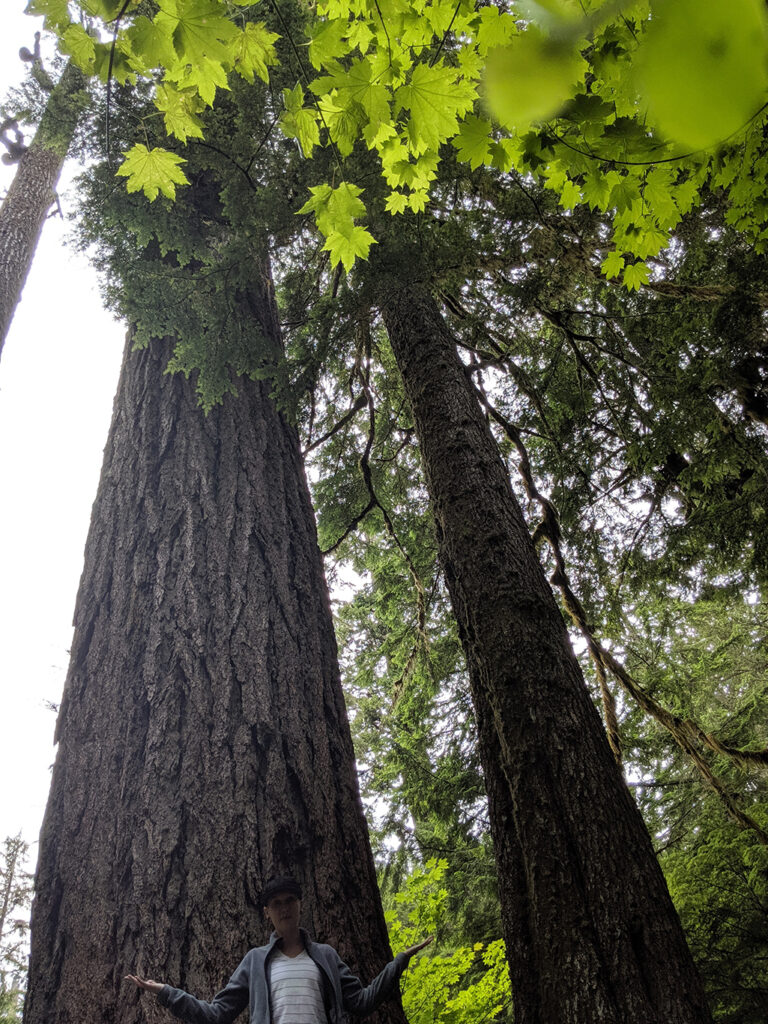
(296, 990)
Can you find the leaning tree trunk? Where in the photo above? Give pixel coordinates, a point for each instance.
(33, 190)
(591, 932)
(203, 739)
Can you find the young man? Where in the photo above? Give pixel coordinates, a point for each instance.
(291, 980)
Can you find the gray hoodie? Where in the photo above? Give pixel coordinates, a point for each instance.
(249, 986)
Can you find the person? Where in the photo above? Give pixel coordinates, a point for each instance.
(291, 980)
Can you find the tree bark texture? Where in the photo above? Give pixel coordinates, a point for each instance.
(203, 738)
(592, 935)
(33, 190)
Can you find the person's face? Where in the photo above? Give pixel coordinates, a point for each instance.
(283, 911)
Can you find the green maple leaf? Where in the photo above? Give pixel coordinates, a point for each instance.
(346, 248)
(152, 171)
(360, 37)
(635, 274)
(343, 125)
(493, 28)
(55, 12)
(335, 209)
(650, 241)
(502, 155)
(624, 194)
(254, 51)
(417, 201)
(204, 76)
(357, 85)
(396, 202)
(104, 9)
(201, 32)
(180, 112)
(299, 122)
(152, 41)
(122, 65)
(596, 190)
(435, 101)
(473, 141)
(325, 41)
(613, 264)
(80, 46)
(570, 195)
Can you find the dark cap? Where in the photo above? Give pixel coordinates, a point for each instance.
(278, 884)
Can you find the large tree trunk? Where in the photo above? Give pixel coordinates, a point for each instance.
(203, 738)
(33, 190)
(591, 931)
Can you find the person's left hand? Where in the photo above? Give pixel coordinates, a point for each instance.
(415, 949)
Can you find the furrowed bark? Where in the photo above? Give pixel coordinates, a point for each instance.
(33, 190)
(203, 738)
(590, 929)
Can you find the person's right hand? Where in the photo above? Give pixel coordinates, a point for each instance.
(150, 986)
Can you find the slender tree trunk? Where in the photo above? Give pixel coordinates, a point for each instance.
(33, 190)
(591, 932)
(203, 738)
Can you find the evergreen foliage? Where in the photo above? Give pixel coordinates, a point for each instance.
(15, 900)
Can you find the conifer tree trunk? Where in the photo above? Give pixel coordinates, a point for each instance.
(591, 932)
(203, 738)
(32, 191)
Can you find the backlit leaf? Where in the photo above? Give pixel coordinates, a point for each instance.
(473, 141)
(254, 51)
(613, 264)
(80, 46)
(635, 274)
(152, 171)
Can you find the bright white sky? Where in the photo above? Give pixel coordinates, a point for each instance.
(58, 374)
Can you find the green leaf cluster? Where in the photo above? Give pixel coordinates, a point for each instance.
(467, 985)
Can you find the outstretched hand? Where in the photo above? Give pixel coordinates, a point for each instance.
(150, 986)
(415, 949)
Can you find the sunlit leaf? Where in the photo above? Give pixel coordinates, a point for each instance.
(152, 171)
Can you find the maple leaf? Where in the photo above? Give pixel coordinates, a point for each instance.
(325, 40)
(201, 31)
(473, 141)
(204, 76)
(596, 190)
(152, 171)
(254, 51)
(635, 274)
(80, 46)
(55, 12)
(357, 85)
(345, 248)
(180, 112)
(570, 195)
(396, 202)
(502, 154)
(417, 201)
(343, 125)
(335, 209)
(152, 41)
(613, 264)
(298, 122)
(435, 100)
(493, 28)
